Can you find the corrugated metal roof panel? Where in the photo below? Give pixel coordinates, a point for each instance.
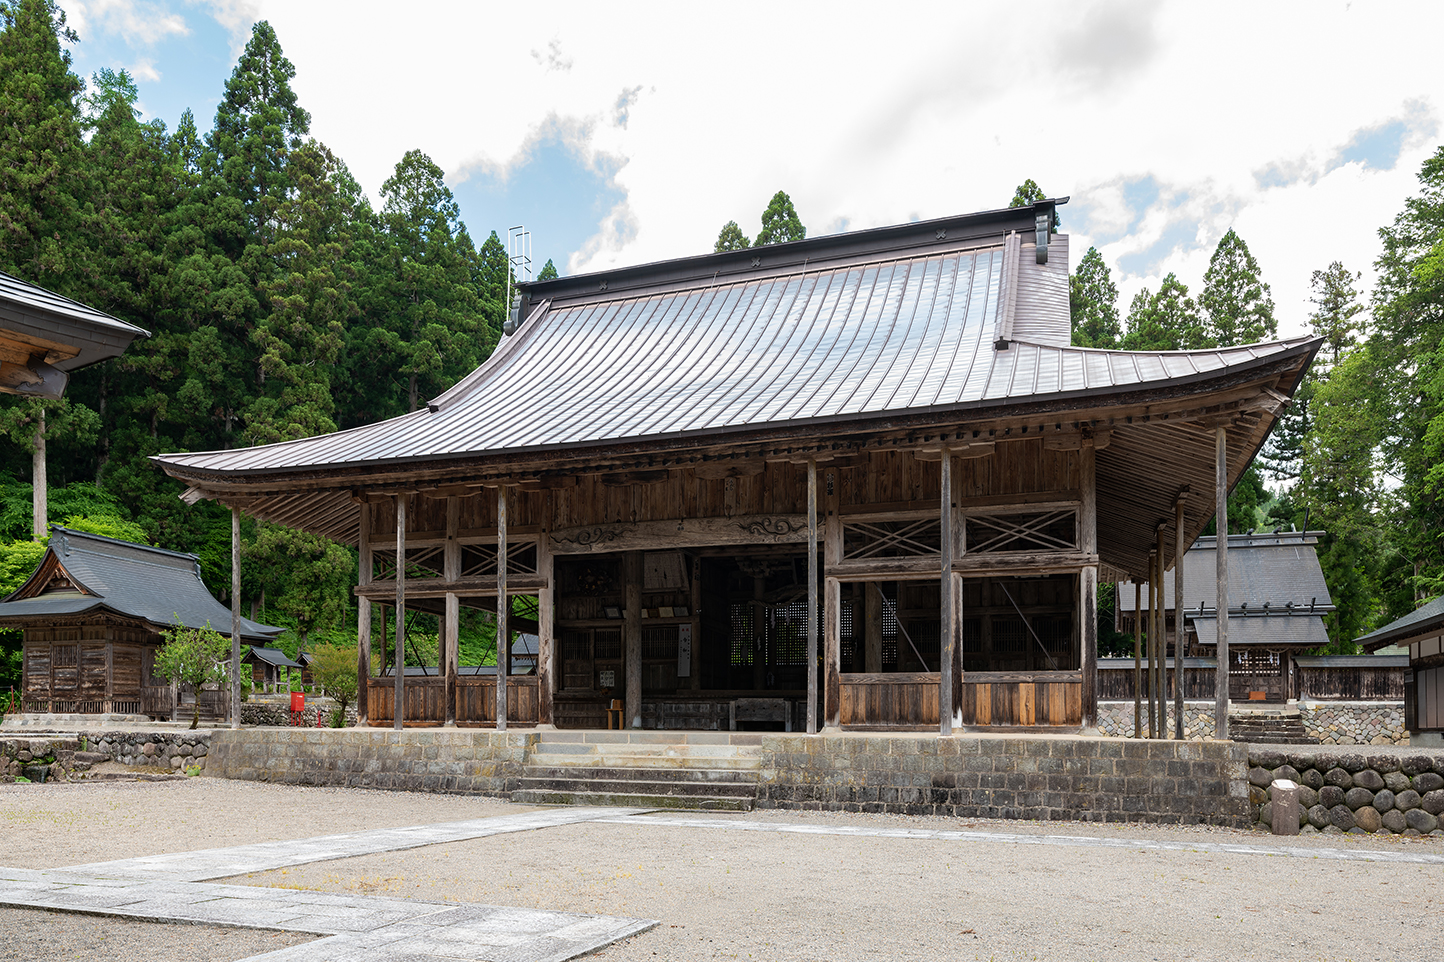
(1279, 573)
(33, 297)
(831, 342)
(1275, 631)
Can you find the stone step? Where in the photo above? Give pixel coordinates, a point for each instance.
(649, 773)
(639, 786)
(657, 749)
(661, 762)
(664, 738)
(632, 800)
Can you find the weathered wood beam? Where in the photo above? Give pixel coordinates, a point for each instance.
(398, 710)
(947, 630)
(546, 631)
(451, 622)
(1178, 633)
(235, 618)
(503, 610)
(417, 588)
(1220, 681)
(832, 602)
(812, 597)
(1088, 581)
(627, 536)
(632, 637)
(363, 621)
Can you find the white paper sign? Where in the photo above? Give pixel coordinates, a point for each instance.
(684, 651)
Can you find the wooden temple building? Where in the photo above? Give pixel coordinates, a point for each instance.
(860, 481)
(1422, 633)
(92, 614)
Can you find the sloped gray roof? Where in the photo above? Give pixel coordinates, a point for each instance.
(29, 309)
(272, 656)
(831, 340)
(135, 580)
(1274, 631)
(1273, 568)
(1426, 618)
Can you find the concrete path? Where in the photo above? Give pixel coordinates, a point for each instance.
(170, 888)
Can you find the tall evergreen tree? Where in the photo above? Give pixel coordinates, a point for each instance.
(41, 166)
(1336, 312)
(1028, 194)
(548, 271)
(1093, 301)
(731, 238)
(1164, 321)
(780, 222)
(1236, 304)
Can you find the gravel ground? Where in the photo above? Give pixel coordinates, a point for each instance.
(724, 894)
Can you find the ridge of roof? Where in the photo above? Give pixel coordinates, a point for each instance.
(70, 533)
(1399, 627)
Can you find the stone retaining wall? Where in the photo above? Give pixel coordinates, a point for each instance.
(38, 759)
(177, 750)
(1382, 792)
(1116, 718)
(1356, 723)
(1009, 777)
(428, 760)
(279, 715)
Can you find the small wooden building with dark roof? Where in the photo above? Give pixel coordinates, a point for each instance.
(864, 475)
(92, 614)
(1277, 599)
(1422, 632)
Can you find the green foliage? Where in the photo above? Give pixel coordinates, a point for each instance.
(1165, 321)
(780, 222)
(1028, 194)
(1093, 301)
(334, 668)
(548, 271)
(1235, 301)
(195, 657)
(306, 577)
(731, 238)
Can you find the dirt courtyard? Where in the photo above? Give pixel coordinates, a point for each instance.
(762, 885)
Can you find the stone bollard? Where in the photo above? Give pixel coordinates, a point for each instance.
(1285, 797)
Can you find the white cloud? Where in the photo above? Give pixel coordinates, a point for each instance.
(868, 116)
(144, 70)
(135, 21)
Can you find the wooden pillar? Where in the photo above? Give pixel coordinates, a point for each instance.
(1088, 580)
(632, 635)
(1162, 637)
(760, 655)
(235, 618)
(872, 627)
(503, 611)
(398, 710)
(811, 596)
(363, 619)
(1220, 598)
(546, 628)
(831, 603)
(1152, 640)
(694, 680)
(1178, 634)
(947, 638)
(39, 484)
(451, 618)
(1137, 659)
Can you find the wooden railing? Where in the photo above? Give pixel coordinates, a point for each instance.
(1022, 699)
(904, 699)
(425, 701)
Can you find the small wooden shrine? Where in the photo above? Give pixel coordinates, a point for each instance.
(863, 480)
(1422, 633)
(92, 616)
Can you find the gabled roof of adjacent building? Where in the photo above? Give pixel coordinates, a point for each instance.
(1427, 619)
(274, 657)
(44, 336)
(82, 573)
(1269, 573)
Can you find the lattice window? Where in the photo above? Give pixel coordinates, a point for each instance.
(66, 656)
(1056, 633)
(1023, 531)
(479, 560)
(1010, 635)
(1251, 660)
(608, 642)
(659, 642)
(420, 563)
(742, 633)
(891, 539)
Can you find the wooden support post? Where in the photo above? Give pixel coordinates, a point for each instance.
(1137, 659)
(832, 604)
(947, 649)
(451, 618)
(1088, 581)
(632, 636)
(1178, 619)
(546, 630)
(235, 618)
(694, 680)
(503, 611)
(1220, 598)
(363, 620)
(1162, 637)
(760, 655)
(811, 596)
(872, 628)
(1152, 643)
(398, 710)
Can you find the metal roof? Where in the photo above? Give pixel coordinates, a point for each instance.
(134, 580)
(1428, 617)
(22, 295)
(1274, 568)
(274, 657)
(822, 343)
(1274, 631)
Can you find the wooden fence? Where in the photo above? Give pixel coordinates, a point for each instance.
(904, 699)
(425, 701)
(1320, 677)
(1009, 699)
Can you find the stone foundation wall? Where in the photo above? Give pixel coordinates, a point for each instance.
(1002, 777)
(429, 760)
(260, 713)
(1356, 723)
(38, 759)
(1116, 718)
(1382, 792)
(176, 750)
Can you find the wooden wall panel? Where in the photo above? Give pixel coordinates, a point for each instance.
(889, 700)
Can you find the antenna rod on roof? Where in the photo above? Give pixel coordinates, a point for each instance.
(518, 265)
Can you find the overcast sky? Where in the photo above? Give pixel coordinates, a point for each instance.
(624, 133)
